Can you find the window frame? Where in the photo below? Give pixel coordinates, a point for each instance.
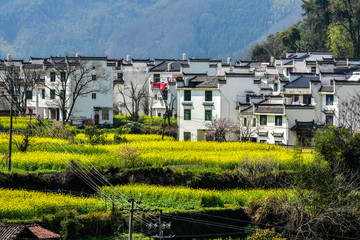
(93, 95)
(262, 121)
(105, 115)
(156, 78)
(208, 96)
(276, 120)
(52, 94)
(329, 99)
(52, 77)
(28, 93)
(187, 136)
(187, 95)
(208, 115)
(187, 114)
(43, 93)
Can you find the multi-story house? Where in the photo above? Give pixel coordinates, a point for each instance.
(78, 89)
(130, 80)
(199, 102)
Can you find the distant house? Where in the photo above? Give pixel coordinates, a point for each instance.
(22, 232)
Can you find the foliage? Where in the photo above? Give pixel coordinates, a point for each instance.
(327, 25)
(265, 234)
(184, 198)
(21, 204)
(55, 154)
(338, 145)
(95, 135)
(130, 156)
(70, 228)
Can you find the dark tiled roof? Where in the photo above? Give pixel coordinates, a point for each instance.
(10, 231)
(204, 82)
(270, 109)
(326, 88)
(304, 126)
(163, 66)
(301, 82)
(289, 62)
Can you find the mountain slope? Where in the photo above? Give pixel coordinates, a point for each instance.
(141, 28)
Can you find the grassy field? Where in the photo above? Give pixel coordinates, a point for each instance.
(46, 154)
(155, 197)
(21, 204)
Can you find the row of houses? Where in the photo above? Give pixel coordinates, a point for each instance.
(279, 101)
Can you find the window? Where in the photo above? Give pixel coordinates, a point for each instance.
(288, 71)
(296, 98)
(307, 99)
(62, 95)
(329, 119)
(187, 136)
(208, 96)
(278, 142)
(278, 120)
(245, 121)
(263, 120)
(52, 76)
(52, 94)
(248, 98)
(53, 113)
(187, 114)
(254, 122)
(159, 114)
(263, 141)
(155, 97)
(120, 75)
(63, 76)
(329, 99)
(276, 87)
(208, 115)
(29, 95)
(165, 95)
(187, 95)
(313, 70)
(93, 95)
(105, 114)
(156, 77)
(93, 77)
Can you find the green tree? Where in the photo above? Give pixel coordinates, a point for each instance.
(346, 17)
(292, 38)
(260, 53)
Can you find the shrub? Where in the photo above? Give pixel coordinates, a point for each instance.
(70, 228)
(211, 201)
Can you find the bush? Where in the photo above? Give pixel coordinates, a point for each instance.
(70, 228)
(265, 234)
(95, 135)
(211, 201)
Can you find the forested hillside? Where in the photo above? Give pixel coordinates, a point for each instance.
(151, 28)
(327, 25)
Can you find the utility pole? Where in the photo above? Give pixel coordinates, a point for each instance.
(161, 233)
(131, 218)
(11, 113)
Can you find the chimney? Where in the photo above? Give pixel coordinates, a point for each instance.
(186, 82)
(169, 67)
(9, 57)
(77, 54)
(128, 58)
(228, 60)
(184, 57)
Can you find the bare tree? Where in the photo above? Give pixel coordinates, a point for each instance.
(219, 128)
(77, 78)
(169, 107)
(349, 112)
(17, 82)
(248, 126)
(135, 94)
